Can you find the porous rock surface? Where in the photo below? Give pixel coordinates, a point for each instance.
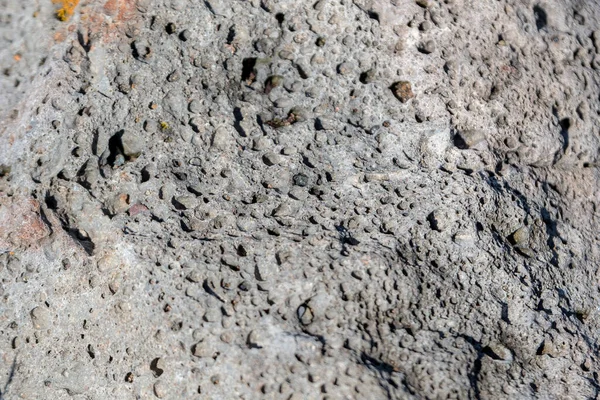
(333, 199)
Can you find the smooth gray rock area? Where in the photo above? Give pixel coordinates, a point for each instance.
(333, 199)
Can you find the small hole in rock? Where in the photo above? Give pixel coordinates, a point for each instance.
(541, 18)
(374, 15)
(248, 74)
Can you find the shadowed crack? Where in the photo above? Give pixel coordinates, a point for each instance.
(11, 375)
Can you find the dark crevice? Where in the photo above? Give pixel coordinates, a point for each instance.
(364, 78)
(230, 35)
(44, 217)
(541, 18)
(459, 141)
(51, 202)
(11, 375)
(85, 243)
(264, 7)
(145, 175)
(81, 175)
(346, 239)
(540, 349)
(565, 124)
(238, 117)
(301, 71)
(504, 313)
(90, 351)
(504, 189)
(95, 142)
(115, 147)
(207, 4)
(171, 28)
(384, 369)
(473, 374)
(156, 218)
(155, 369)
(594, 383)
(373, 15)
(248, 70)
(86, 45)
(4, 170)
(377, 364)
(209, 290)
(552, 233)
(134, 51)
(261, 124)
(184, 227)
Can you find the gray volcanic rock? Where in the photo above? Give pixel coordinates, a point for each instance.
(386, 199)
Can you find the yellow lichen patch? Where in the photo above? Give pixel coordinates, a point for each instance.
(67, 8)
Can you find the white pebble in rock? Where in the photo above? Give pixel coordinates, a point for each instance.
(246, 224)
(498, 351)
(272, 159)
(40, 316)
(212, 315)
(202, 349)
(520, 237)
(298, 193)
(260, 143)
(305, 315)
(185, 202)
(428, 47)
(221, 139)
(107, 263)
(469, 138)
(195, 106)
(255, 339)
(160, 389)
(284, 210)
(194, 276)
(440, 219)
(132, 144)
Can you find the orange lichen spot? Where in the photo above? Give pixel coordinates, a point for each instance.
(66, 10)
(17, 57)
(59, 36)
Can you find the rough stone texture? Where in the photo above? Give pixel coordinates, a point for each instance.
(234, 199)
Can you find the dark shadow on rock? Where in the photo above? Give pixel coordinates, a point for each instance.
(11, 375)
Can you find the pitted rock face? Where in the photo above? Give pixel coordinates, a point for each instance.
(368, 199)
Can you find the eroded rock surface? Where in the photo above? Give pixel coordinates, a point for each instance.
(300, 200)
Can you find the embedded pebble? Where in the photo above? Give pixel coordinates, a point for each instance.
(403, 91)
(272, 159)
(500, 352)
(160, 389)
(520, 237)
(428, 47)
(41, 318)
(185, 202)
(469, 138)
(255, 339)
(202, 349)
(221, 139)
(133, 144)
